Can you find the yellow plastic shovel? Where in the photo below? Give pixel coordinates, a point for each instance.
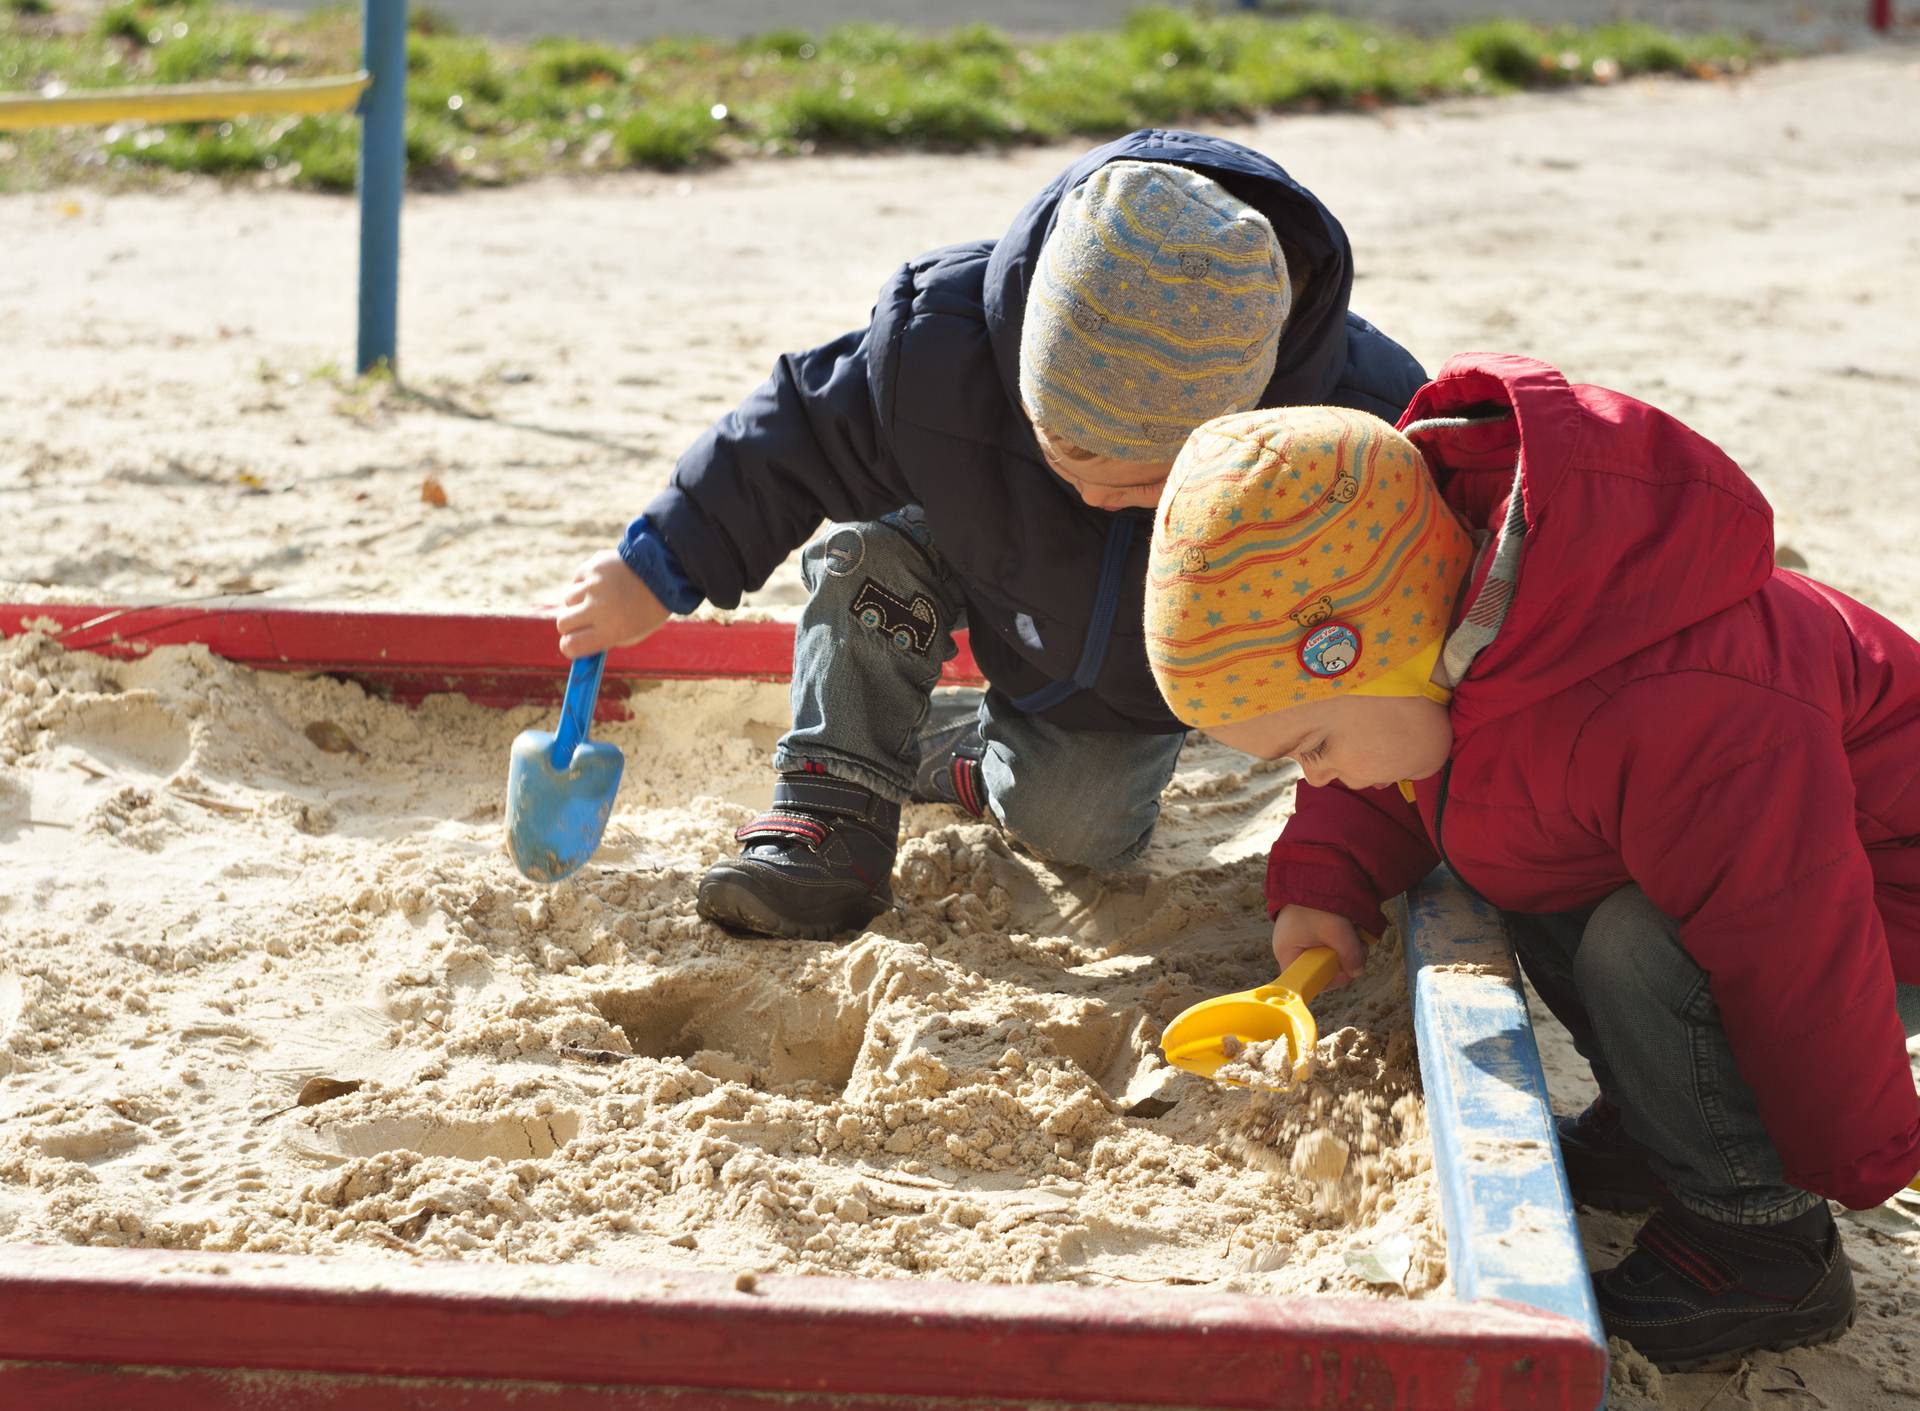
(1195, 1040)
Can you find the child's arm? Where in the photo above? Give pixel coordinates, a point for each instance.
(805, 446)
(1745, 832)
(1345, 851)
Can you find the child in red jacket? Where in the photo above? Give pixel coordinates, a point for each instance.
(1540, 637)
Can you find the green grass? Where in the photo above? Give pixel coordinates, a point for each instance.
(481, 112)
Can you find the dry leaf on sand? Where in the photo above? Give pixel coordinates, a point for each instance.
(325, 735)
(319, 1090)
(414, 1225)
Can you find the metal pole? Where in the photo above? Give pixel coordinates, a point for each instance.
(383, 176)
(1881, 15)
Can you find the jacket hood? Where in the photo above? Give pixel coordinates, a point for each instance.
(1313, 346)
(1633, 527)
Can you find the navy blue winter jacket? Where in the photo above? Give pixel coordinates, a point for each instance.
(922, 407)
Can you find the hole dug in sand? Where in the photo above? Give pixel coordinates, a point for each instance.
(740, 1026)
(1104, 1053)
(1104, 1043)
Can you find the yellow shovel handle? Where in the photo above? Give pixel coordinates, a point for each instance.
(1310, 971)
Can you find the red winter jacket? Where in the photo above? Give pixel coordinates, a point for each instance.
(1663, 706)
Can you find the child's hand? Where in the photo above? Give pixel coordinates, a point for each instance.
(607, 606)
(1298, 929)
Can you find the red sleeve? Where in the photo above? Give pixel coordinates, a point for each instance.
(1346, 851)
(1732, 806)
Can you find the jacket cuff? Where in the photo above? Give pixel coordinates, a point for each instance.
(1870, 1181)
(1335, 888)
(647, 554)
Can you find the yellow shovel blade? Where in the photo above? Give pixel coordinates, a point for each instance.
(1196, 1039)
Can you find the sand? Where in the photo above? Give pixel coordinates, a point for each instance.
(272, 985)
(1742, 253)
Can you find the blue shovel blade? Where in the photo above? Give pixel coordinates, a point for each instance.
(555, 816)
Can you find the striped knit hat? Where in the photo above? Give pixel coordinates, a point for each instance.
(1299, 554)
(1156, 304)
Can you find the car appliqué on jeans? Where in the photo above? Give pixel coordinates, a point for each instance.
(912, 624)
(1331, 650)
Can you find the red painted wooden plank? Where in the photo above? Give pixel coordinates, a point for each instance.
(60, 1386)
(498, 659)
(895, 1340)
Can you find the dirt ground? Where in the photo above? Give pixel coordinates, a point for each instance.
(1740, 253)
(1743, 254)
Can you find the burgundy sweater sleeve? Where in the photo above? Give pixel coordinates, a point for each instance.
(1346, 851)
(1743, 829)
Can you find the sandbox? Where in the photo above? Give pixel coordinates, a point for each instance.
(273, 989)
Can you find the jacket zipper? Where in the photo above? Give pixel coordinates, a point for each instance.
(1093, 651)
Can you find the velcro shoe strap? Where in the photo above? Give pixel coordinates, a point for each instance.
(1673, 1245)
(810, 831)
(823, 794)
(968, 788)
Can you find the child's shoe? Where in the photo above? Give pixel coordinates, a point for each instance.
(1606, 1168)
(1694, 1292)
(818, 862)
(951, 748)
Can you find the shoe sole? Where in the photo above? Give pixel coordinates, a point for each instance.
(1726, 1361)
(727, 901)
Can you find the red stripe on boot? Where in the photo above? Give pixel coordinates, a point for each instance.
(787, 824)
(1685, 1258)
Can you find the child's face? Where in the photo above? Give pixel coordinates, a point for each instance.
(1101, 481)
(1364, 742)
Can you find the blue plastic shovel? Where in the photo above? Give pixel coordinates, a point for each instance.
(560, 784)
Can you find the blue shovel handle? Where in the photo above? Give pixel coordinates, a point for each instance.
(576, 712)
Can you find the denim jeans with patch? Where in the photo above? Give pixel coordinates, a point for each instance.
(1642, 1014)
(877, 628)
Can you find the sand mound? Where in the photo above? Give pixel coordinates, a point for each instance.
(219, 886)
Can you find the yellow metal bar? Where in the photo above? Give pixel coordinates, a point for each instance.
(199, 102)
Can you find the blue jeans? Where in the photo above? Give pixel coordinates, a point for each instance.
(877, 628)
(1642, 1014)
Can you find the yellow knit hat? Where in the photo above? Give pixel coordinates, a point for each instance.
(1299, 553)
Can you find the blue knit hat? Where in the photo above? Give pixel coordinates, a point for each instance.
(1156, 305)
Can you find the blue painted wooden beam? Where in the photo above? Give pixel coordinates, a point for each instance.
(1503, 1191)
